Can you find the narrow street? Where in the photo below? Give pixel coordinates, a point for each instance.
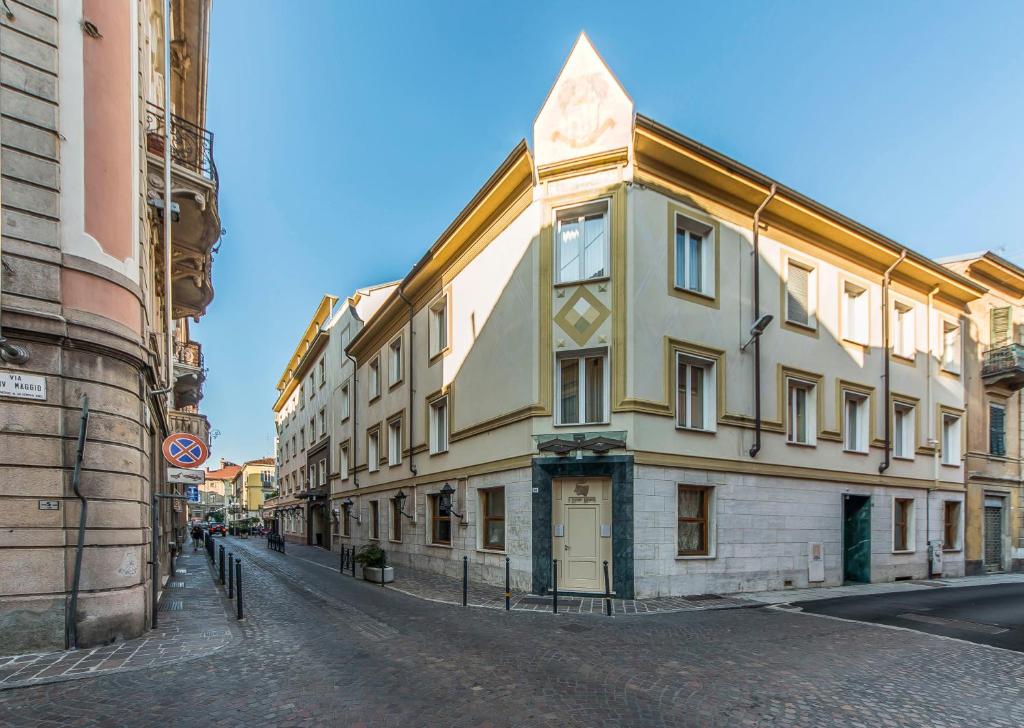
(319, 648)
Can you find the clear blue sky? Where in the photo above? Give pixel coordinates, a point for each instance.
(348, 134)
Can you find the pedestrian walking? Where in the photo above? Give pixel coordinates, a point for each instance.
(197, 537)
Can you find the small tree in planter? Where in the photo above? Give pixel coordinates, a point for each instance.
(374, 561)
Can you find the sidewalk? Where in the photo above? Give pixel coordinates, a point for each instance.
(193, 623)
(448, 590)
(792, 596)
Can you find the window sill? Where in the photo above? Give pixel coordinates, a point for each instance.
(373, 399)
(696, 430)
(581, 282)
(392, 540)
(855, 452)
(911, 360)
(582, 424)
(853, 342)
(392, 385)
(439, 452)
(438, 355)
(694, 557)
(440, 545)
(957, 550)
(395, 465)
(904, 552)
(904, 458)
(801, 444)
(951, 465)
(804, 328)
(498, 552)
(692, 292)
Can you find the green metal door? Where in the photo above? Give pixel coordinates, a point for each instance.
(857, 538)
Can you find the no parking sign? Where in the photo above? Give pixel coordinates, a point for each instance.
(185, 450)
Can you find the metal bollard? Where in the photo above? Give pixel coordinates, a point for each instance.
(238, 587)
(554, 587)
(231, 576)
(221, 552)
(465, 581)
(508, 592)
(341, 560)
(607, 592)
(353, 561)
(383, 565)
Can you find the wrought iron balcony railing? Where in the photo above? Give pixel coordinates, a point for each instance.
(191, 145)
(1004, 364)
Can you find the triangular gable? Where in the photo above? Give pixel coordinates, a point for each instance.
(586, 112)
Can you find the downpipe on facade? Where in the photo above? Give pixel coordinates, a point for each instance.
(76, 481)
(354, 404)
(412, 368)
(756, 447)
(887, 353)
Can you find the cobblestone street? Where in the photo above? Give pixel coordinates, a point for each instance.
(318, 648)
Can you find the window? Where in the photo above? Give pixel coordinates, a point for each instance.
(438, 325)
(322, 369)
(951, 525)
(903, 524)
(582, 390)
(950, 439)
(343, 461)
(312, 430)
(1000, 326)
(374, 383)
(802, 426)
(396, 520)
(951, 346)
(322, 472)
(798, 294)
(345, 518)
(696, 392)
(692, 529)
(693, 256)
(492, 510)
(581, 243)
(302, 477)
(375, 520)
(440, 523)
(997, 429)
(904, 342)
(312, 384)
(373, 451)
(323, 422)
(439, 425)
(904, 439)
(855, 313)
(395, 361)
(395, 442)
(302, 437)
(855, 421)
(346, 404)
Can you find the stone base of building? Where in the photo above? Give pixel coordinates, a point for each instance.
(761, 533)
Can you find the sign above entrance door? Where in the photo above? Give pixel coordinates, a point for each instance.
(185, 450)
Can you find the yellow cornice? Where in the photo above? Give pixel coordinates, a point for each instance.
(663, 152)
(503, 188)
(286, 385)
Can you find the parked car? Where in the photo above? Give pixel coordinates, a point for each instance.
(216, 528)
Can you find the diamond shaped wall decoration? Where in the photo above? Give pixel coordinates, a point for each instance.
(582, 315)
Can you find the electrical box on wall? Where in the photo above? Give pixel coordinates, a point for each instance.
(815, 562)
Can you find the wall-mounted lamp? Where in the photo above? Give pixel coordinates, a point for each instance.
(347, 506)
(757, 329)
(445, 504)
(400, 497)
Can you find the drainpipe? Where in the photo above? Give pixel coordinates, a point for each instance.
(932, 440)
(887, 351)
(756, 447)
(76, 481)
(412, 368)
(169, 342)
(354, 404)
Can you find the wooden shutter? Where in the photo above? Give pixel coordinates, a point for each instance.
(797, 308)
(999, 319)
(997, 431)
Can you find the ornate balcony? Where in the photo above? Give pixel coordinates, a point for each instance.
(1004, 366)
(189, 373)
(188, 419)
(194, 189)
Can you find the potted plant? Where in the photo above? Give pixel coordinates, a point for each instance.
(373, 560)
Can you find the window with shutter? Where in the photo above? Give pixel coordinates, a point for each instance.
(999, 318)
(798, 295)
(997, 430)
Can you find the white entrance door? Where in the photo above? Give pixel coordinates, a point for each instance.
(582, 532)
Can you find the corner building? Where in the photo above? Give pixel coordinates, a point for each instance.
(573, 357)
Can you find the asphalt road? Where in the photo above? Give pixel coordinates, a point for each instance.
(988, 615)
